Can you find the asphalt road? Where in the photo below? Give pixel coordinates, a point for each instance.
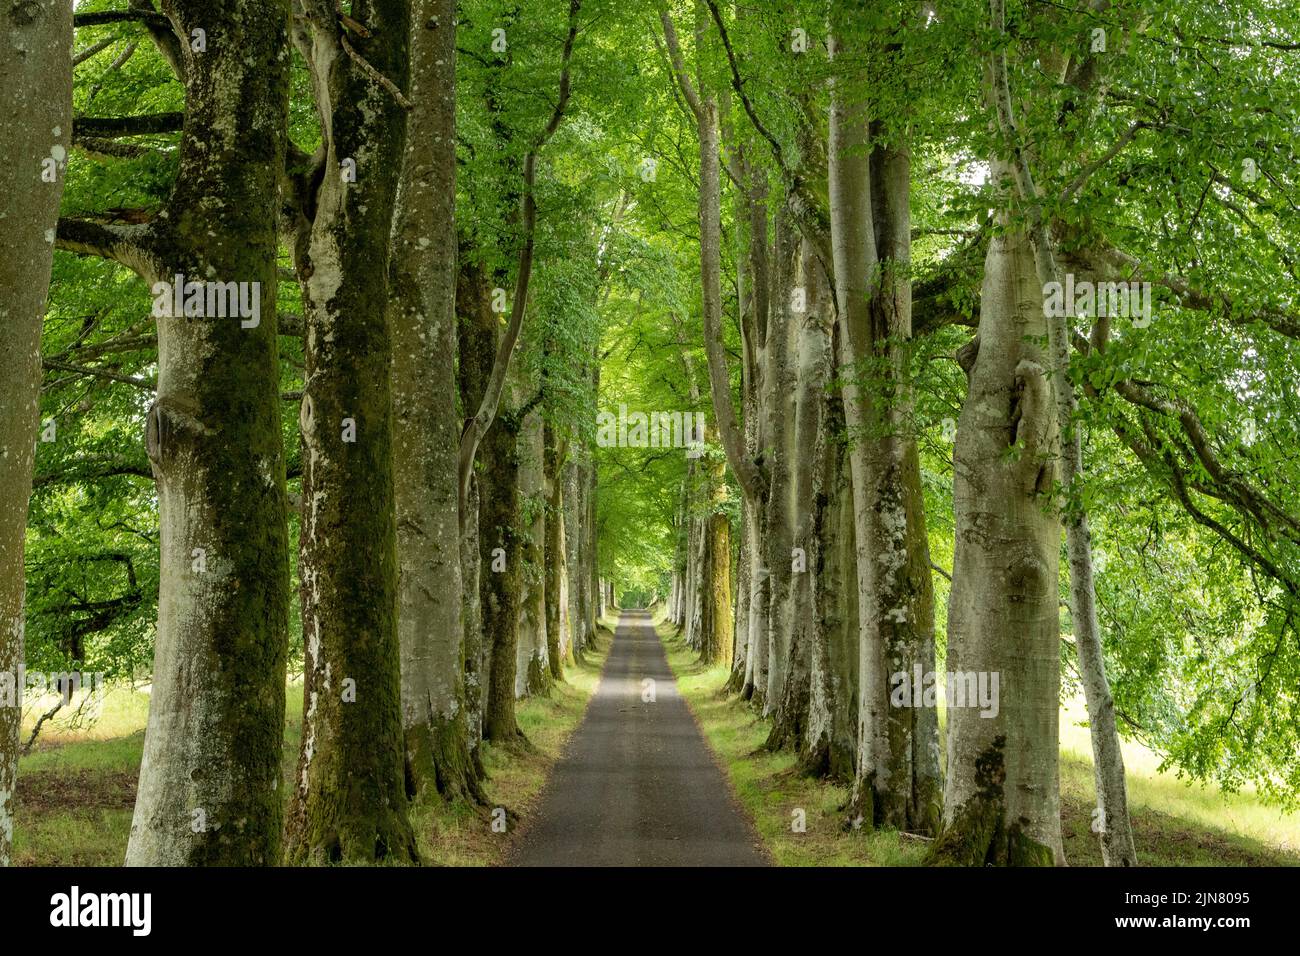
(637, 785)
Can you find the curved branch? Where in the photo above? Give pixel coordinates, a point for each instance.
(127, 245)
(477, 426)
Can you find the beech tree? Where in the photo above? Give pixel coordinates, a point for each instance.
(350, 801)
(210, 778)
(422, 314)
(34, 137)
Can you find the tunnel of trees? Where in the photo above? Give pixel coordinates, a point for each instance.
(375, 351)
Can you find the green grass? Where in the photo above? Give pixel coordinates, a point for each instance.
(1175, 824)
(765, 784)
(76, 790)
(461, 835)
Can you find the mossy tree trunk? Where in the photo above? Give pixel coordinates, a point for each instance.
(717, 617)
(808, 374)
(778, 409)
(718, 631)
(350, 799)
(558, 640)
(830, 745)
(533, 675)
(35, 130)
(501, 555)
(423, 318)
(897, 782)
(476, 346)
(574, 525)
(209, 790)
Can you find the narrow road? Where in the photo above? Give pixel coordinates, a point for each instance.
(638, 785)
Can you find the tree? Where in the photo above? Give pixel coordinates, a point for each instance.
(209, 780)
(898, 780)
(350, 802)
(34, 137)
(1108, 759)
(423, 319)
(1002, 788)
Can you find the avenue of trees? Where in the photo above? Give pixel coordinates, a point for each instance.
(317, 313)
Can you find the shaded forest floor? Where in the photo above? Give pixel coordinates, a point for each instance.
(76, 790)
(1174, 824)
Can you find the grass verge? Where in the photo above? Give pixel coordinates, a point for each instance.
(460, 835)
(1174, 824)
(76, 790)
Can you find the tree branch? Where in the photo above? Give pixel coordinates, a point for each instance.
(477, 426)
(112, 126)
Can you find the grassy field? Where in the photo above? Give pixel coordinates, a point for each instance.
(76, 790)
(1174, 824)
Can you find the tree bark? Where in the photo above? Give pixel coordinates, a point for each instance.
(501, 547)
(556, 598)
(718, 624)
(574, 549)
(422, 314)
(475, 348)
(35, 130)
(807, 385)
(350, 802)
(777, 410)
(1002, 791)
(533, 673)
(209, 790)
(830, 746)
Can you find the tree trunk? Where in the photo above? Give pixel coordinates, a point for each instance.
(476, 652)
(574, 529)
(422, 314)
(350, 803)
(209, 791)
(716, 634)
(533, 667)
(556, 596)
(1002, 793)
(1117, 847)
(830, 746)
(807, 387)
(35, 130)
(476, 348)
(501, 545)
(740, 643)
(778, 401)
(897, 781)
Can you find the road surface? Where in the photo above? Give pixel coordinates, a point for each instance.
(637, 785)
